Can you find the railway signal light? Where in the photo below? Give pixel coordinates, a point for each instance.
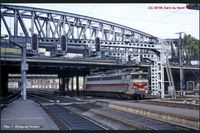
(63, 43)
(34, 42)
(97, 44)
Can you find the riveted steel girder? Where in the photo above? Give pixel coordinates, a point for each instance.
(50, 23)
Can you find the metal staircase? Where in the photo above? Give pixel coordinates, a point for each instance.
(169, 75)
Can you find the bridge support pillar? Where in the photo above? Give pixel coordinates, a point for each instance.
(67, 84)
(4, 83)
(77, 85)
(62, 85)
(72, 85)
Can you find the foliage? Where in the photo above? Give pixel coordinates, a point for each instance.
(191, 47)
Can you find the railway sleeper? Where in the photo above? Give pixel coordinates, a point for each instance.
(186, 123)
(136, 121)
(122, 120)
(59, 122)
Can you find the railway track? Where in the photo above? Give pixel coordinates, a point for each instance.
(5, 101)
(64, 118)
(131, 120)
(53, 97)
(161, 103)
(134, 121)
(137, 121)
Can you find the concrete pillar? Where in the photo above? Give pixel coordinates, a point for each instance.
(62, 85)
(67, 84)
(72, 85)
(77, 85)
(4, 83)
(84, 85)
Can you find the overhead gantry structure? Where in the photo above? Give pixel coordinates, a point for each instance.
(62, 33)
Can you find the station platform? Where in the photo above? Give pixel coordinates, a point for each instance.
(186, 117)
(25, 115)
(158, 108)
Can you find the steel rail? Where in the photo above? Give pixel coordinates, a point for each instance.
(137, 123)
(8, 99)
(73, 116)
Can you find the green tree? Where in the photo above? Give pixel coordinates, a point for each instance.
(191, 47)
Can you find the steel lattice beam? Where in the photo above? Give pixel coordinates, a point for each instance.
(59, 23)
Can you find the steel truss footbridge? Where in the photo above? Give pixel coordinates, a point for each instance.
(62, 33)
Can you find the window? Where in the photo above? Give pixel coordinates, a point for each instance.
(141, 76)
(134, 76)
(93, 79)
(112, 78)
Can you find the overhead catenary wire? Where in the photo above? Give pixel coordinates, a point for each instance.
(91, 9)
(147, 26)
(147, 20)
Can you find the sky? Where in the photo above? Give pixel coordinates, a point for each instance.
(162, 22)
